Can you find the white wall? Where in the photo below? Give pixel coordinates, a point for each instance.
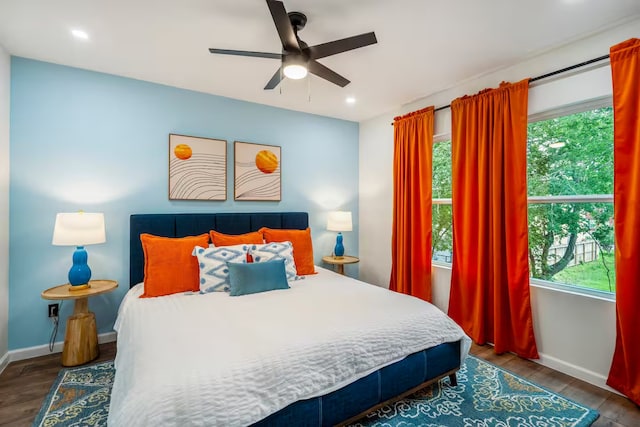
(375, 196)
(575, 333)
(4, 205)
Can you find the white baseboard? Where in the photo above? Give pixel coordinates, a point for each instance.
(4, 361)
(576, 371)
(42, 350)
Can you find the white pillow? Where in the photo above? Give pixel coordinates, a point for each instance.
(275, 251)
(212, 261)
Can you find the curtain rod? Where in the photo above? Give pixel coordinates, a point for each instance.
(552, 73)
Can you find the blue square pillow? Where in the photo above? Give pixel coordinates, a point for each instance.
(256, 277)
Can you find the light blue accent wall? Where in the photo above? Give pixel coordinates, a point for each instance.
(97, 142)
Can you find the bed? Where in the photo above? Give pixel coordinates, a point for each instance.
(318, 354)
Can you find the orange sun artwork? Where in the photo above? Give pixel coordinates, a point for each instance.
(266, 161)
(182, 151)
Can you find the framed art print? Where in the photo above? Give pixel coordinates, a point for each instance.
(197, 168)
(257, 172)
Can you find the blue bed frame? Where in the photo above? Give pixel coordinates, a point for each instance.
(341, 406)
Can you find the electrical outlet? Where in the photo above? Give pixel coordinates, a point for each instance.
(53, 310)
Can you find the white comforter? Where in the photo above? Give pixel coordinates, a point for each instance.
(230, 361)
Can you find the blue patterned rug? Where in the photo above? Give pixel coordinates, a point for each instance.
(486, 396)
(78, 397)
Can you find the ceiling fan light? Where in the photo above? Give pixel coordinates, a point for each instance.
(295, 71)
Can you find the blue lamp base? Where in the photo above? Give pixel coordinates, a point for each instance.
(80, 272)
(338, 251)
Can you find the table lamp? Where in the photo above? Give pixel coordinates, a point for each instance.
(339, 221)
(79, 229)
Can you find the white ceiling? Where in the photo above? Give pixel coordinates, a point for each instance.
(423, 45)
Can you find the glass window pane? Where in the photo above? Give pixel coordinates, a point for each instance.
(441, 238)
(571, 155)
(441, 179)
(573, 243)
(441, 221)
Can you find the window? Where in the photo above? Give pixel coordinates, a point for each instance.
(442, 239)
(570, 187)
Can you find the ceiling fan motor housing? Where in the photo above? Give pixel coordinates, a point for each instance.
(298, 20)
(297, 58)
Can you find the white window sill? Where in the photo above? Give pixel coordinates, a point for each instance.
(441, 264)
(573, 290)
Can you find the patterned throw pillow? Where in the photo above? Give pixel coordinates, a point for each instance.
(214, 273)
(274, 251)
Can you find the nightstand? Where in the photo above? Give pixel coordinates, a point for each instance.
(340, 262)
(81, 337)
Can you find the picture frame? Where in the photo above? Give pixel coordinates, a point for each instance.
(257, 172)
(197, 168)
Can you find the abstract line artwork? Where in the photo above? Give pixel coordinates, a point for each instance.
(257, 172)
(197, 168)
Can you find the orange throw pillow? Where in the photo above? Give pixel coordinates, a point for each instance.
(221, 239)
(302, 246)
(169, 266)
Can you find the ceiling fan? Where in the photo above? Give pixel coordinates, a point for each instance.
(297, 58)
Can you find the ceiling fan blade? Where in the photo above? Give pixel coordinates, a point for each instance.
(247, 53)
(321, 71)
(277, 77)
(283, 25)
(343, 45)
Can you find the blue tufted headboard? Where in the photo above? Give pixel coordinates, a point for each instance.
(189, 224)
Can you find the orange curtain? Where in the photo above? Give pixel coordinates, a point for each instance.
(411, 235)
(625, 67)
(489, 294)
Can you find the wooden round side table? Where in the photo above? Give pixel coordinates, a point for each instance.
(81, 337)
(340, 262)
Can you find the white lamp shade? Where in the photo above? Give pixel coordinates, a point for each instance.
(339, 221)
(79, 229)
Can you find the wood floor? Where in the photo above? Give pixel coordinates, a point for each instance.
(24, 385)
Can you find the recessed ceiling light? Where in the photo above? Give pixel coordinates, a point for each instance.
(79, 34)
(350, 100)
